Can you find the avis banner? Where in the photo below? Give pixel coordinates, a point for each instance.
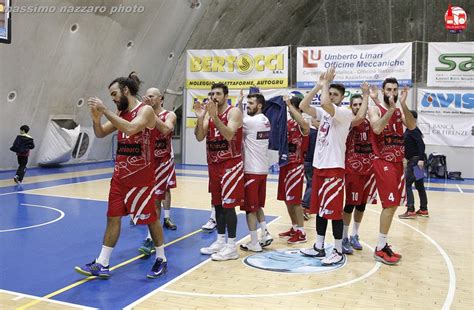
(265, 67)
(446, 117)
(355, 63)
(450, 64)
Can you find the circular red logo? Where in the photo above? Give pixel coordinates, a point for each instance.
(455, 19)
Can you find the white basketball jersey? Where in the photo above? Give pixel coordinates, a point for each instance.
(256, 134)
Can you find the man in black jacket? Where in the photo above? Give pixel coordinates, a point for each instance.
(415, 155)
(22, 146)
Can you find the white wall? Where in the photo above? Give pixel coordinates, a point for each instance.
(51, 67)
(176, 143)
(194, 151)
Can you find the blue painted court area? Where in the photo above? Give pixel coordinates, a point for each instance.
(40, 260)
(38, 171)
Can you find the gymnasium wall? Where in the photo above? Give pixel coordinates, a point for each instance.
(50, 67)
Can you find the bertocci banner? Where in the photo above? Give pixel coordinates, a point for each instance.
(445, 116)
(450, 64)
(355, 63)
(239, 68)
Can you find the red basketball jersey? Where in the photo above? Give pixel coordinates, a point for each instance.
(163, 146)
(218, 148)
(388, 145)
(134, 162)
(359, 154)
(297, 143)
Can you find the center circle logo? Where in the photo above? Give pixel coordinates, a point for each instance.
(245, 63)
(290, 261)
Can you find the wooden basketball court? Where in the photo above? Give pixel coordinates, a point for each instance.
(436, 270)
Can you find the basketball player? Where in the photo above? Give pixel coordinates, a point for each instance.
(256, 132)
(291, 176)
(132, 185)
(211, 224)
(165, 174)
(386, 138)
(359, 179)
(221, 125)
(327, 196)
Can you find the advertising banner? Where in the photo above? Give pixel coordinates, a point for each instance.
(450, 64)
(446, 117)
(355, 63)
(265, 67)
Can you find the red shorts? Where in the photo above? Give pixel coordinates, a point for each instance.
(290, 183)
(390, 179)
(137, 201)
(226, 183)
(255, 192)
(327, 194)
(360, 189)
(165, 176)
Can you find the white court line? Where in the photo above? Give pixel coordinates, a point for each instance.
(38, 225)
(163, 288)
(130, 306)
(459, 188)
(20, 295)
(133, 304)
(9, 193)
(366, 275)
(452, 274)
(314, 290)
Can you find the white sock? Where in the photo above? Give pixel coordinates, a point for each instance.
(295, 227)
(149, 235)
(160, 252)
(167, 214)
(263, 226)
(319, 242)
(104, 255)
(221, 238)
(338, 245)
(355, 229)
(253, 237)
(231, 241)
(382, 242)
(345, 232)
(301, 229)
(213, 213)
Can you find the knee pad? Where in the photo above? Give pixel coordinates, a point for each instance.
(348, 209)
(360, 208)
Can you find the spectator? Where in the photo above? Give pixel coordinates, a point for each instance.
(22, 146)
(415, 155)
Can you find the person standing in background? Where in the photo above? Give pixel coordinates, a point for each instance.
(22, 146)
(415, 156)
